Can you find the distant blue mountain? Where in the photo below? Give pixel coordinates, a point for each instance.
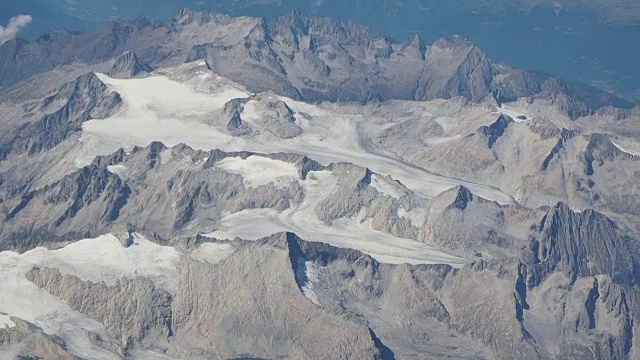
(576, 44)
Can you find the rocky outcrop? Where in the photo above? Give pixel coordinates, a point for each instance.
(493, 131)
(232, 116)
(599, 150)
(584, 244)
(94, 200)
(127, 66)
(27, 341)
(131, 310)
(278, 119)
(84, 99)
(79, 205)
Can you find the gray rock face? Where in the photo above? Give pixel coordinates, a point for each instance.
(60, 115)
(568, 236)
(28, 341)
(131, 310)
(278, 322)
(231, 115)
(315, 59)
(187, 192)
(365, 309)
(278, 118)
(128, 66)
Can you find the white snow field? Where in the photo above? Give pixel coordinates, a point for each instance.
(5, 321)
(253, 224)
(626, 150)
(158, 108)
(119, 170)
(212, 253)
(513, 112)
(102, 259)
(312, 278)
(258, 170)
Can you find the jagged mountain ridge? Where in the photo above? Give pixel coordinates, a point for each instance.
(128, 65)
(493, 275)
(521, 33)
(346, 62)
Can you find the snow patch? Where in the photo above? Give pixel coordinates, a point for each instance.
(417, 216)
(22, 299)
(105, 259)
(312, 278)
(258, 170)
(118, 170)
(254, 224)
(157, 108)
(5, 321)
(513, 112)
(628, 151)
(212, 253)
(387, 186)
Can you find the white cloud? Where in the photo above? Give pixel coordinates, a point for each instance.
(16, 24)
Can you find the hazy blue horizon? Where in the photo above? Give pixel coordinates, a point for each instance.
(573, 45)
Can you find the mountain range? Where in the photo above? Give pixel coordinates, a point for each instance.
(591, 41)
(299, 187)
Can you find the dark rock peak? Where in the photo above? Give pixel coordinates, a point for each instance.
(463, 197)
(351, 175)
(16, 43)
(554, 86)
(282, 110)
(495, 130)
(294, 20)
(235, 105)
(580, 100)
(320, 253)
(454, 66)
(156, 147)
(151, 152)
(416, 42)
(588, 243)
(515, 83)
(57, 36)
(123, 28)
(87, 83)
(342, 32)
(232, 112)
(128, 65)
(235, 122)
(82, 99)
(618, 113)
(603, 144)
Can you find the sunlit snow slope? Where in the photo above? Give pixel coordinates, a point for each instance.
(159, 108)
